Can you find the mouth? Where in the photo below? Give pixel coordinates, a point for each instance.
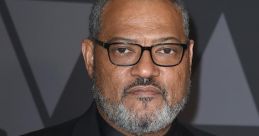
(144, 91)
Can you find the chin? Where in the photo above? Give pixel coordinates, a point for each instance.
(139, 115)
(144, 104)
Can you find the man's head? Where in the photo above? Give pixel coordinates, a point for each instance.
(139, 57)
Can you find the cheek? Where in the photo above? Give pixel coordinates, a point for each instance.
(109, 78)
(176, 81)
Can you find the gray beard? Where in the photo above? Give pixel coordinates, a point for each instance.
(132, 121)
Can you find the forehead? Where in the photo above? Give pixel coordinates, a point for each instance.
(141, 18)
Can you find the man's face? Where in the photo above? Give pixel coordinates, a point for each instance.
(144, 88)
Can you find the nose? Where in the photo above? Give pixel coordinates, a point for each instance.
(145, 68)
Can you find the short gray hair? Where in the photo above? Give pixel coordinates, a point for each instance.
(97, 10)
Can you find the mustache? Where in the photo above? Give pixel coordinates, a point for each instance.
(145, 82)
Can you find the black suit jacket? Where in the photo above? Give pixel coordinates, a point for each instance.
(87, 125)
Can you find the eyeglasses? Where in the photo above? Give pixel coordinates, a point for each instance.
(128, 54)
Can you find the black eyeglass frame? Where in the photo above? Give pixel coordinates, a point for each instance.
(107, 45)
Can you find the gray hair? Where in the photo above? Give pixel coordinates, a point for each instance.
(97, 10)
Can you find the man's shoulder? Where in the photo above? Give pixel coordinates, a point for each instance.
(63, 129)
(85, 124)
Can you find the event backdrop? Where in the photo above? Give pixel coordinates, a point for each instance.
(43, 80)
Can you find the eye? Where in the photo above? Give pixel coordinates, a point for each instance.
(166, 50)
(122, 50)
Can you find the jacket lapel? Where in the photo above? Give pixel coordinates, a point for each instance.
(87, 124)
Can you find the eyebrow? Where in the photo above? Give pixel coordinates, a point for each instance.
(128, 40)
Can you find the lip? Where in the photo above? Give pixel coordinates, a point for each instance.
(144, 91)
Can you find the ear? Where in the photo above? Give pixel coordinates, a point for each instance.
(190, 50)
(88, 54)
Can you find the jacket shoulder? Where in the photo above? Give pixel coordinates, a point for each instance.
(64, 129)
(83, 125)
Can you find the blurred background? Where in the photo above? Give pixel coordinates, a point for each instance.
(43, 81)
